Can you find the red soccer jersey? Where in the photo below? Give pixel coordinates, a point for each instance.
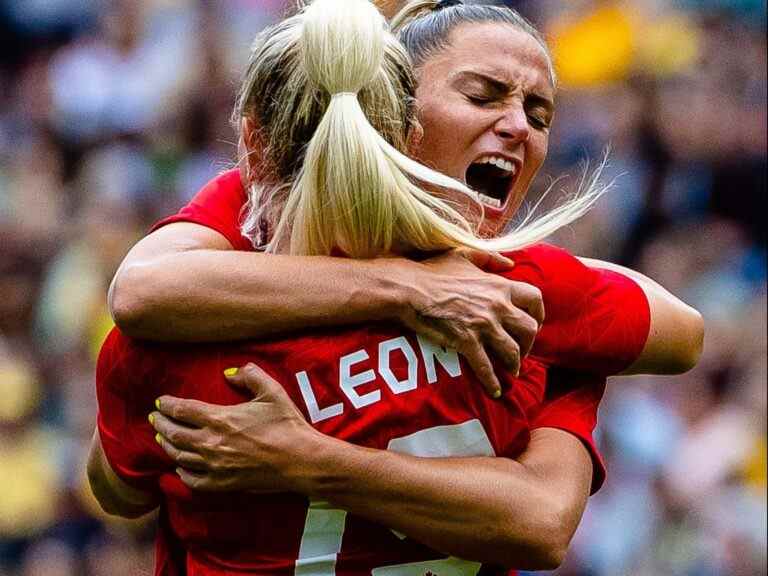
(376, 386)
(383, 388)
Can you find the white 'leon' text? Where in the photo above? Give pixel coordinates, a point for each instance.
(353, 374)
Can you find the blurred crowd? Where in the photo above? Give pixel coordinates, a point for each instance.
(114, 112)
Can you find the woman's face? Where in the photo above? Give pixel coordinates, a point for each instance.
(486, 103)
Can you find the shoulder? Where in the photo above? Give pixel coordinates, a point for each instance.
(219, 206)
(561, 276)
(546, 264)
(227, 186)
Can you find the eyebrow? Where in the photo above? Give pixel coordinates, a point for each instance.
(500, 86)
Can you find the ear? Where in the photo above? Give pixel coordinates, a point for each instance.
(250, 150)
(415, 136)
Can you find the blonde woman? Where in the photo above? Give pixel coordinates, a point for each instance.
(337, 75)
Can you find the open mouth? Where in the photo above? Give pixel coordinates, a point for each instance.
(492, 178)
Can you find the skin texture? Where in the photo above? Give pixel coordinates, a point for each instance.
(488, 92)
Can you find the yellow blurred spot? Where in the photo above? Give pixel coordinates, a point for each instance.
(19, 390)
(755, 467)
(29, 483)
(100, 325)
(597, 49)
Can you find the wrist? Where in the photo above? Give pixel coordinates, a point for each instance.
(317, 467)
(311, 464)
(392, 281)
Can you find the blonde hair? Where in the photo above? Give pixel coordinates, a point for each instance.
(332, 91)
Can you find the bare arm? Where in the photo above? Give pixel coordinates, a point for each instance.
(676, 335)
(184, 282)
(113, 495)
(516, 513)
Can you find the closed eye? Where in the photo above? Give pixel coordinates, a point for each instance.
(479, 100)
(537, 122)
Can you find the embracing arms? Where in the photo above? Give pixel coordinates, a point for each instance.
(184, 282)
(519, 513)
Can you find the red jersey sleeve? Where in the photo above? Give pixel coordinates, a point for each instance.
(571, 405)
(218, 206)
(596, 321)
(125, 398)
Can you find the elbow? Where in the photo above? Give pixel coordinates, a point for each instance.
(693, 344)
(545, 544)
(129, 306)
(549, 549)
(697, 340)
(110, 503)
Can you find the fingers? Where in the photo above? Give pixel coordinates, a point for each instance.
(199, 481)
(506, 349)
(481, 365)
(470, 347)
(182, 437)
(523, 329)
(488, 261)
(529, 299)
(252, 377)
(192, 412)
(189, 460)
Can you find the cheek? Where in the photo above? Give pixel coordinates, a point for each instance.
(540, 147)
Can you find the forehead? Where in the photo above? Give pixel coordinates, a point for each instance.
(496, 49)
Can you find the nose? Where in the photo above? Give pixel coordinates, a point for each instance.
(513, 125)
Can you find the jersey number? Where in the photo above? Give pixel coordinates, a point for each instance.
(324, 525)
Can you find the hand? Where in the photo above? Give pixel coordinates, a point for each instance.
(248, 446)
(458, 302)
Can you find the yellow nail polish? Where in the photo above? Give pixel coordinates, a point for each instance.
(151, 418)
(229, 372)
(157, 403)
(497, 394)
(158, 438)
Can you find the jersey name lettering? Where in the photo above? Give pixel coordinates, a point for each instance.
(352, 374)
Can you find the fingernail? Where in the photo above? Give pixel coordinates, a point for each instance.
(157, 403)
(496, 394)
(151, 418)
(158, 438)
(229, 372)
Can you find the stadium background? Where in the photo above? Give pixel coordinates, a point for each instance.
(113, 113)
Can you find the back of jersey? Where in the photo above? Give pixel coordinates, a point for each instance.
(378, 387)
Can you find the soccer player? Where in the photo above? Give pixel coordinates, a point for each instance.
(378, 387)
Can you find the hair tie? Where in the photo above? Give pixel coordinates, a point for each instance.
(447, 4)
(340, 94)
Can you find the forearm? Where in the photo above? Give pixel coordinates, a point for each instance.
(493, 510)
(211, 295)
